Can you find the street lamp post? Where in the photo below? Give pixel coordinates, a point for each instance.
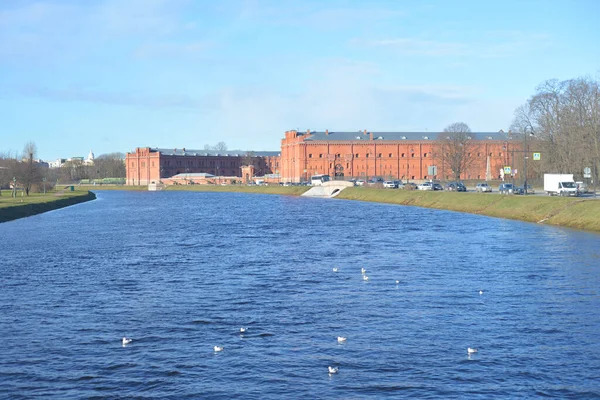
(44, 180)
(14, 193)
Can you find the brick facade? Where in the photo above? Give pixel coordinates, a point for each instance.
(146, 165)
(345, 155)
(389, 155)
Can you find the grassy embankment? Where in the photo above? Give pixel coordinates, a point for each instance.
(37, 203)
(568, 212)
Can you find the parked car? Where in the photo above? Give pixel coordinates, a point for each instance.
(505, 188)
(410, 186)
(360, 183)
(518, 190)
(582, 187)
(437, 186)
(389, 185)
(530, 190)
(483, 187)
(425, 186)
(456, 187)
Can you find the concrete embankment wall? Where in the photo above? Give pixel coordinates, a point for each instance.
(26, 210)
(568, 212)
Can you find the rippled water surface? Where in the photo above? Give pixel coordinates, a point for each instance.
(182, 272)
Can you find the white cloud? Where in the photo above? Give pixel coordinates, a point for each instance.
(172, 50)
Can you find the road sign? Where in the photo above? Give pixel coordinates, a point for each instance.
(537, 156)
(432, 170)
(587, 170)
(507, 170)
(587, 175)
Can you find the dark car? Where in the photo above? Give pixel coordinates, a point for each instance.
(506, 188)
(437, 186)
(456, 187)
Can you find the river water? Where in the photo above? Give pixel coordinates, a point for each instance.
(182, 272)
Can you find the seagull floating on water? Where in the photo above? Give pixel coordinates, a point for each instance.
(481, 292)
(363, 271)
(341, 339)
(365, 278)
(218, 348)
(397, 281)
(471, 351)
(126, 341)
(333, 370)
(243, 330)
(335, 269)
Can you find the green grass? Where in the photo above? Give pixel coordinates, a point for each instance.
(569, 212)
(36, 203)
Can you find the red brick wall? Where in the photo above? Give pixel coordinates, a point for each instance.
(301, 159)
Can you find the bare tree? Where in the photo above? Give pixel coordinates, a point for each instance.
(565, 117)
(221, 146)
(111, 165)
(28, 170)
(6, 168)
(456, 146)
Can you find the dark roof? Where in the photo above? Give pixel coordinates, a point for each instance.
(411, 136)
(221, 153)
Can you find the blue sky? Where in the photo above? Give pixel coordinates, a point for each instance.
(112, 75)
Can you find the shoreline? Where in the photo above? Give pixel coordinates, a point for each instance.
(18, 210)
(574, 213)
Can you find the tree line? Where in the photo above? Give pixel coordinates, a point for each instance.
(31, 175)
(562, 121)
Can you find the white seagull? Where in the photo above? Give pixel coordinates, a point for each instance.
(335, 269)
(341, 339)
(397, 282)
(471, 351)
(218, 348)
(126, 341)
(333, 370)
(365, 278)
(481, 292)
(363, 271)
(243, 330)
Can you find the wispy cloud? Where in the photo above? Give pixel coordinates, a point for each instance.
(192, 50)
(489, 45)
(139, 99)
(413, 46)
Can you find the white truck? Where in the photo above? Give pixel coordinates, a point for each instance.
(560, 184)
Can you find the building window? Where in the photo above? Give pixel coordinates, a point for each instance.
(310, 156)
(402, 155)
(425, 155)
(320, 155)
(367, 155)
(390, 155)
(356, 156)
(499, 154)
(478, 154)
(412, 155)
(379, 155)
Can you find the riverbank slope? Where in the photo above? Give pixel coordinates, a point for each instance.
(26, 206)
(568, 212)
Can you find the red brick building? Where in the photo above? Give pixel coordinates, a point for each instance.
(146, 165)
(389, 155)
(345, 155)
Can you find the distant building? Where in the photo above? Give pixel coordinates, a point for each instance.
(59, 162)
(146, 165)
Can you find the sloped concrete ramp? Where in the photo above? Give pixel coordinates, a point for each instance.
(329, 189)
